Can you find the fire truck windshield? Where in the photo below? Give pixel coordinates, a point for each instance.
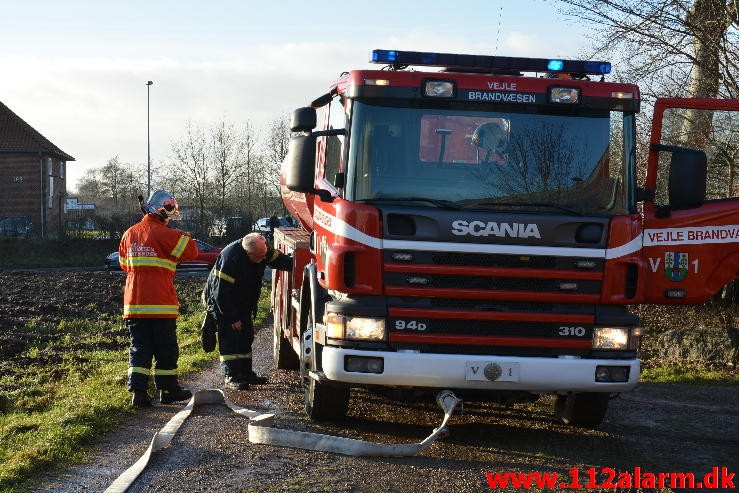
(473, 157)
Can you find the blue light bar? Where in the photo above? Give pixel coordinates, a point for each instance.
(598, 67)
(555, 65)
(489, 63)
(384, 56)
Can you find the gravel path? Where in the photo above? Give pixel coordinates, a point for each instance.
(659, 427)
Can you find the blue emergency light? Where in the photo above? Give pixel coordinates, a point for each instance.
(555, 65)
(489, 63)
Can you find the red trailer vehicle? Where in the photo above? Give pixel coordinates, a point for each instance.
(477, 229)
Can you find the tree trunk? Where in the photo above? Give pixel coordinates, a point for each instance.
(708, 21)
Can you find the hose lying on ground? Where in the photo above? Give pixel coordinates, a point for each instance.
(261, 431)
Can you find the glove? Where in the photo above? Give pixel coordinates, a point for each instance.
(208, 331)
(272, 253)
(142, 205)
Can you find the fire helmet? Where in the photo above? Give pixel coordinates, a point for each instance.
(163, 204)
(493, 139)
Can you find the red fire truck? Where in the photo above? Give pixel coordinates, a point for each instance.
(476, 226)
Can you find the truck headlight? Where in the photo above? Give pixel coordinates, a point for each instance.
(618, 338)
(354, 328)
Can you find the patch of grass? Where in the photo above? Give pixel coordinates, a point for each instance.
(658, 319)
(52, 412)
(698, 373)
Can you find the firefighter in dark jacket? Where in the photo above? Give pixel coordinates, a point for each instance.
(231, 295)
(149, 253)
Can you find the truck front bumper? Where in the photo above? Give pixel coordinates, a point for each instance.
(460, 371)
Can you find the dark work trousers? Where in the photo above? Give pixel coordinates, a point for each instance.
(152, 338)
(235, 348)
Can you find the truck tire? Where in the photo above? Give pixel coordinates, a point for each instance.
(584, 410)
(326, 401)
(282, 352)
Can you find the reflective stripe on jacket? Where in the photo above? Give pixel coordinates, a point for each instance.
(149, 253)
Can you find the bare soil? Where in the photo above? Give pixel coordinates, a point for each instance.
(33, 303)
(658, 427)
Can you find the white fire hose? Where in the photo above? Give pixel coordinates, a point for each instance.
(261, 431)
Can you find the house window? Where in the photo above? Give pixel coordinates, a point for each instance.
(50, 170)
(51, 192)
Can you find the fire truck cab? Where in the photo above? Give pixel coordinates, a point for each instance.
(470, 226)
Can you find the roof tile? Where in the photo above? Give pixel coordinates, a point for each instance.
(18, 136)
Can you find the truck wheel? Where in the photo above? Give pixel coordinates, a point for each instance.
(326, 401)
(585, 410)
(323, 400)
(282, 352)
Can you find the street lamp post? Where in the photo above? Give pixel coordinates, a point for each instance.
(148, 143)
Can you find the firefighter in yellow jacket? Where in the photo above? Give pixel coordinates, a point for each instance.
(149, 253)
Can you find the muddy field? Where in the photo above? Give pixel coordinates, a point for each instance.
(33, 303)
(48, 297)
(661, 427)
(40, 300)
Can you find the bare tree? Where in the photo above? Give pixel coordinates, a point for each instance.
(111, 176)
(673, 47)
(88, 188)
(113, 187)
(215, 173)
(275, 150)
(247, 195)
(189, 175)
(232, 155)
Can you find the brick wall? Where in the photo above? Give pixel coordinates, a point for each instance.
(24, 191)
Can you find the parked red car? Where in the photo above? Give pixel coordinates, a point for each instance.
(207, 255)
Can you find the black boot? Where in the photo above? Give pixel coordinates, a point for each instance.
(250, 376)
(235, 383)
(255, 379)
(140, 399)
(174, 395)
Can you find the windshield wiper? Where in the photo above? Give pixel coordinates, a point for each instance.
(531, 204)
(444, 204)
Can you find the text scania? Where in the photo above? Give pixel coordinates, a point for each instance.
(479, 228)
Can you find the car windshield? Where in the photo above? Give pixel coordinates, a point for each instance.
(465, 155)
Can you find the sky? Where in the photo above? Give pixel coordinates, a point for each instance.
(76, 70)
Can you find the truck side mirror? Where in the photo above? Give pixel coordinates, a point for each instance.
(687, 186)
(301, 163)
(300, 170)
(303, 119)
(688, 171)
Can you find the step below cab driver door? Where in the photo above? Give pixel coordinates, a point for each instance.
(691, 204)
